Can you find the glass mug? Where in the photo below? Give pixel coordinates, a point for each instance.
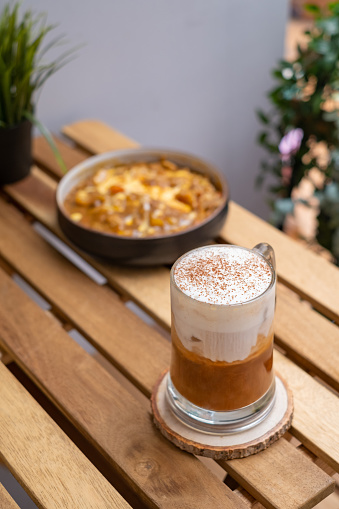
(221, 378)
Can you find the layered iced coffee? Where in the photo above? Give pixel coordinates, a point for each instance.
(223, 300)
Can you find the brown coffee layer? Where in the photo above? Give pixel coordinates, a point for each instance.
(219, 385)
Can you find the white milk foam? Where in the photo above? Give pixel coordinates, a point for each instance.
(223, 275)
(210, 279)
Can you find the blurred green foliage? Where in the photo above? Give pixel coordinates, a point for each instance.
(307, 97)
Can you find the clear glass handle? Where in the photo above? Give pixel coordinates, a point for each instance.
(267, 251)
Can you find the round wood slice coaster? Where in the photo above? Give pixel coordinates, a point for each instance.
(230, 446)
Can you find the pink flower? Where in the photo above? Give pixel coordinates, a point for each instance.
(290, 143)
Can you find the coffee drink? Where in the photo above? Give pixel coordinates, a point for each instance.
(223, 300)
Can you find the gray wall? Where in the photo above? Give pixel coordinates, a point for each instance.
(184, 74)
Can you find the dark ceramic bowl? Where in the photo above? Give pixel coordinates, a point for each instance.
(163, 249)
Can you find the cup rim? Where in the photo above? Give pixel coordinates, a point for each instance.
(218, 246)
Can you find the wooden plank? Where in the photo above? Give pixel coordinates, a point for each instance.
(42, 457)
(307, 337)
(299, 329)
(250, 502)
(97, 137)
(6, 500)
(287, 472)
(319, 462)
(314, 278)
(44, 156)
(316, 412)
(56, 279)
(104, 412)
(308, 274)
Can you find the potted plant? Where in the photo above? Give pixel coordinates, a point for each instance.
(23, 72)
(301, 132)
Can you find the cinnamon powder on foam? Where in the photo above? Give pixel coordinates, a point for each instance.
(223, 275)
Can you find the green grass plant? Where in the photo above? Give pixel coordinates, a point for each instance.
(23, 71)
(24, 45)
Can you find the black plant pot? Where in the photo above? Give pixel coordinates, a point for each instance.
(15, 152)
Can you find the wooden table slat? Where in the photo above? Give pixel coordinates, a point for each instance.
(6, 500)
(58, 275)
(250, 502)
(287, 469)
(299, 329)
(316, 412)
(313, 277)
(97, 137)
(307, 336)
(27, 437)
(104, 412)
(44, 156)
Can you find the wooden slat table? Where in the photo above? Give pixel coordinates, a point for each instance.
(75, 425)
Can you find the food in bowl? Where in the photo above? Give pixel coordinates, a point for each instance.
(142, 199)
(141, 250)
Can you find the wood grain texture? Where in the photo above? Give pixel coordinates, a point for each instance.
(310, 275)
(6, 500)
(307, 336)
(316, 412)
(97, 137)
(250, 502)
(42, 457)
(116, 423)
(299, 330)
(287, 473)
(133, 346)
(44, 156)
